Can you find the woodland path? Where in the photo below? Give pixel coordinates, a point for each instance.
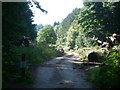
(61, 72)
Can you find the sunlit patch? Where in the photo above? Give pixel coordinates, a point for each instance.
(65, 68)
(67, 81)
(91, 67)
(52, 65)
(59, 58)
(76, 61)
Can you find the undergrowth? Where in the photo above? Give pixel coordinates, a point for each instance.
(11, 62)
(108, 74)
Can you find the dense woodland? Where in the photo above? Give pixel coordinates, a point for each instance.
(80, 29)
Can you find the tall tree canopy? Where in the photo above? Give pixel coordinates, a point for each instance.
(65, 25)
(16, 21)
(94, 20)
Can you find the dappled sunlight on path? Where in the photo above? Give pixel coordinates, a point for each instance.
(60, 73)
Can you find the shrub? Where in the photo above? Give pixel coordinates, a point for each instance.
(108, 74)
(11, 62)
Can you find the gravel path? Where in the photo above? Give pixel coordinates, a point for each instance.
(61, 72)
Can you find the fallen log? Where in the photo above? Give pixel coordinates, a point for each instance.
(95, 56)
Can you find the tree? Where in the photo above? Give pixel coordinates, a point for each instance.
(65, 25)
(94, 20)
(17, 21)
(71, 36)
(46, 35)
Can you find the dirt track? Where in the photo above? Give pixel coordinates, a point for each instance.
(61, 72)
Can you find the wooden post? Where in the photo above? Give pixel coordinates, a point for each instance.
(23, 64)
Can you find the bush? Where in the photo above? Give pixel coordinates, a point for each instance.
(11, 62)
(108, 74)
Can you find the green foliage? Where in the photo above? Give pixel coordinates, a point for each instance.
(95, 19)
(78, 29)
(11, 70)
(11, 62)
(83, 41)
(90, 22)
(64, 27)
(46, 35)
(80, 40)
(71, 36)
(16, 22)
(108, 75)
